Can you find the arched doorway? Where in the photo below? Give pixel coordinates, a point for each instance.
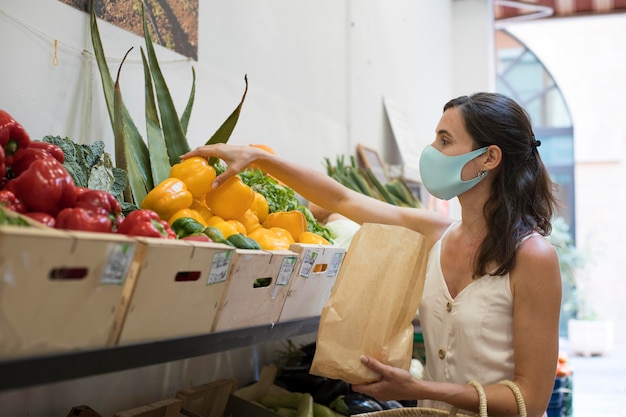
(522, 76)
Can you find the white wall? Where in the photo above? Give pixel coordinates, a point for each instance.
(318, 72)
(474, 49)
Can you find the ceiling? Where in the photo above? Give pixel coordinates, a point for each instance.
(514, 11)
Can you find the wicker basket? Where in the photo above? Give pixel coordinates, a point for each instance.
(412, 412)
(431, 412)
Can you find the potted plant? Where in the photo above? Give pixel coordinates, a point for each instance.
(587, 333)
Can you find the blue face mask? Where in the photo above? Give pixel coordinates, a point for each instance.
(441, 174)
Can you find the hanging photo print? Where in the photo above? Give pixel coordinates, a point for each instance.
(173, 23)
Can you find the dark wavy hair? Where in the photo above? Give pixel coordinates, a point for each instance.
(523, 197)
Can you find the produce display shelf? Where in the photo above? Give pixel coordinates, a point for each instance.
(24, 372)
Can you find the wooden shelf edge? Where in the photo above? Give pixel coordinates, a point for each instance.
(30, 371)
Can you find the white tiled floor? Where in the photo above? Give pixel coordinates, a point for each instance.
(599, 384)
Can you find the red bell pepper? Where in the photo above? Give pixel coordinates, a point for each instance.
(11, 202)
(100, 202)
(197, 237)
(44, 218)
(45, 186)
(51, 148)
(77, 218)
(35, 150)
(13, 136)
(145, 223)
(3, 167)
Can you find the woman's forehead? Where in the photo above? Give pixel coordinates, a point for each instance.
(452, 124)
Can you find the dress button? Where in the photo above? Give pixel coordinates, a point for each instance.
(449, 306)
(442, 353)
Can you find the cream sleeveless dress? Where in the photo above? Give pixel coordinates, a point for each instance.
(469, 337)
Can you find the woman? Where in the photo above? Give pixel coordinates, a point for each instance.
(492, 295)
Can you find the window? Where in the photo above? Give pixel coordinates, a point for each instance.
(521, 76)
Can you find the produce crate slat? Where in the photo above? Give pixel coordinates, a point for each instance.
(60, 289)
(247, 300)
(178, 290)
(312, 281)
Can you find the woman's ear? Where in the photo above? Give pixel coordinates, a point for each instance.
(493, 158)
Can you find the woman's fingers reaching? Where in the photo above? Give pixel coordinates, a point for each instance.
(236, 158)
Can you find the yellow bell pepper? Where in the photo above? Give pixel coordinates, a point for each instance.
(201, 207)
(214, 220)
(260, 207)
(227, 228)
(313, 238)
(169, 196)
(187, 213)
(283, 233)
(196, 173)
(238, 226)
(293, 221)
(231, 199)
(269, 239)
(250, 221)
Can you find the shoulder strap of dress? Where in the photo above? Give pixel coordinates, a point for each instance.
(450, 226)
(527, 236)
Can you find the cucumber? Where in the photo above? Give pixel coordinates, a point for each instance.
(216, 235)
(305, 406)
(242, 241)
(286, 412)
(320, 410)
(289, 400)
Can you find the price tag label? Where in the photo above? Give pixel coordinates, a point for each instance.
(335, 263)
(220, 266)
(286, 269)
(118, 259)
(308, 260)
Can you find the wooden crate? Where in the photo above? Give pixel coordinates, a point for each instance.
(170, 407)
(60, 289)
(207, 400)
(244, 402)
(177, 291)
(312, 281)
(245, 303)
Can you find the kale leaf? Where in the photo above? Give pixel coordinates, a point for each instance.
(90, 166)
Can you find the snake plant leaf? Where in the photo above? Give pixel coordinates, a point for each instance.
(184, 119)
(136, 190)
(222, 134)
(159, 160)
(175, 138)
(119, 133)
(134, 146)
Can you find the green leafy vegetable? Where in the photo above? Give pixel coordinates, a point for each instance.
(281, 198)
(363, 180)
(12, 220)
(90, 166)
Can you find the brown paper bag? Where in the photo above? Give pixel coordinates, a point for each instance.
(372, 304)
